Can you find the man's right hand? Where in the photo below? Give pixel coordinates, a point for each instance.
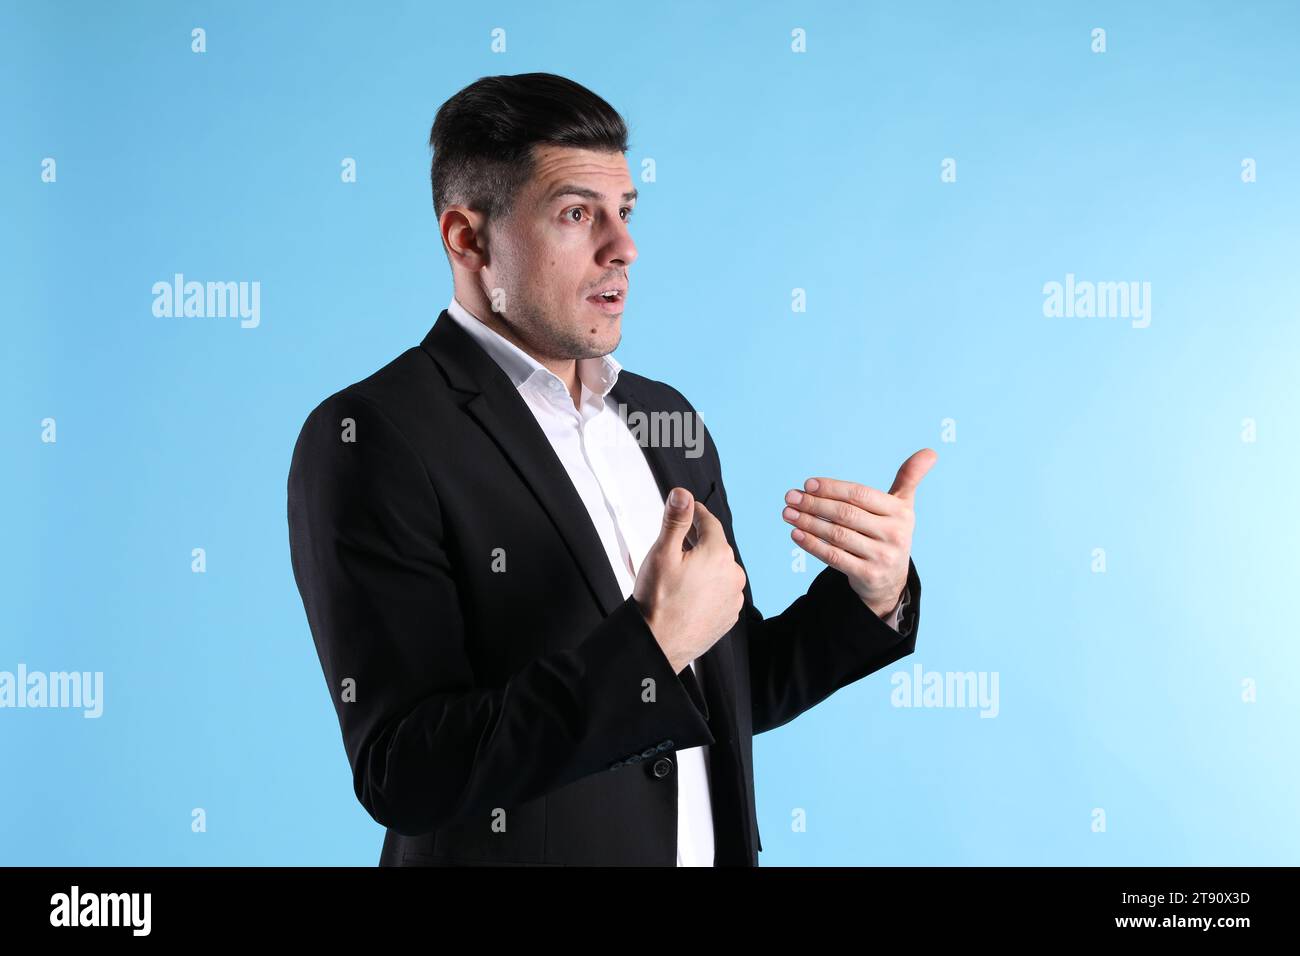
(689, 598)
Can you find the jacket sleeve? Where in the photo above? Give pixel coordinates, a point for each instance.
(823, 641)
(427, 747)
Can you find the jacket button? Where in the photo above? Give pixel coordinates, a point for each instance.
(649, 752)
(663, 767)
(664, 745)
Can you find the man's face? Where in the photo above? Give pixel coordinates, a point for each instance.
(566, 240)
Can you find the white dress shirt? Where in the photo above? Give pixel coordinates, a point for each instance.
(610, 472)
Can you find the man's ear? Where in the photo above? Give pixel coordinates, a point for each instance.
(464, 236)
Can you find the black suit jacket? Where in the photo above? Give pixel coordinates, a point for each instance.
(527, 715)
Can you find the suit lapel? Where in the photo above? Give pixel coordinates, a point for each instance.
(497, 406)
(717, 665)
(729, 786)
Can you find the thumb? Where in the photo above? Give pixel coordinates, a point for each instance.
(679, 515)
(911, 472)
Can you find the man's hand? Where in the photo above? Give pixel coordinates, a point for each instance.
(863, 532)
(689, 598)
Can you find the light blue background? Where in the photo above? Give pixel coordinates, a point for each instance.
(775, 170)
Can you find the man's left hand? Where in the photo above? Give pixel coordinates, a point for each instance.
(864, 532)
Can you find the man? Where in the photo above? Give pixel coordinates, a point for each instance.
(537, 654)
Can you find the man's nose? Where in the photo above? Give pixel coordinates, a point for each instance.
(620, 249)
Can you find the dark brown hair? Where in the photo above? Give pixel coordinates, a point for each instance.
(483, 137)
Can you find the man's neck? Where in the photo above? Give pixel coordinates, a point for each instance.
(566, 370)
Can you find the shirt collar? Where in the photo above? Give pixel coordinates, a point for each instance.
(598, 374)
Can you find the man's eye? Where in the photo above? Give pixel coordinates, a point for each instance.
(626, 210)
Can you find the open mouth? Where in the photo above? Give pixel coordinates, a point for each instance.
(611, 302)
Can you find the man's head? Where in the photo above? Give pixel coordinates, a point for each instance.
(533, 198)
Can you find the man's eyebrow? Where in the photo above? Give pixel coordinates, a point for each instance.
(571, 190)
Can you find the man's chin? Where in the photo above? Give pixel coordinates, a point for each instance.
(602, 341)
(598, 351)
